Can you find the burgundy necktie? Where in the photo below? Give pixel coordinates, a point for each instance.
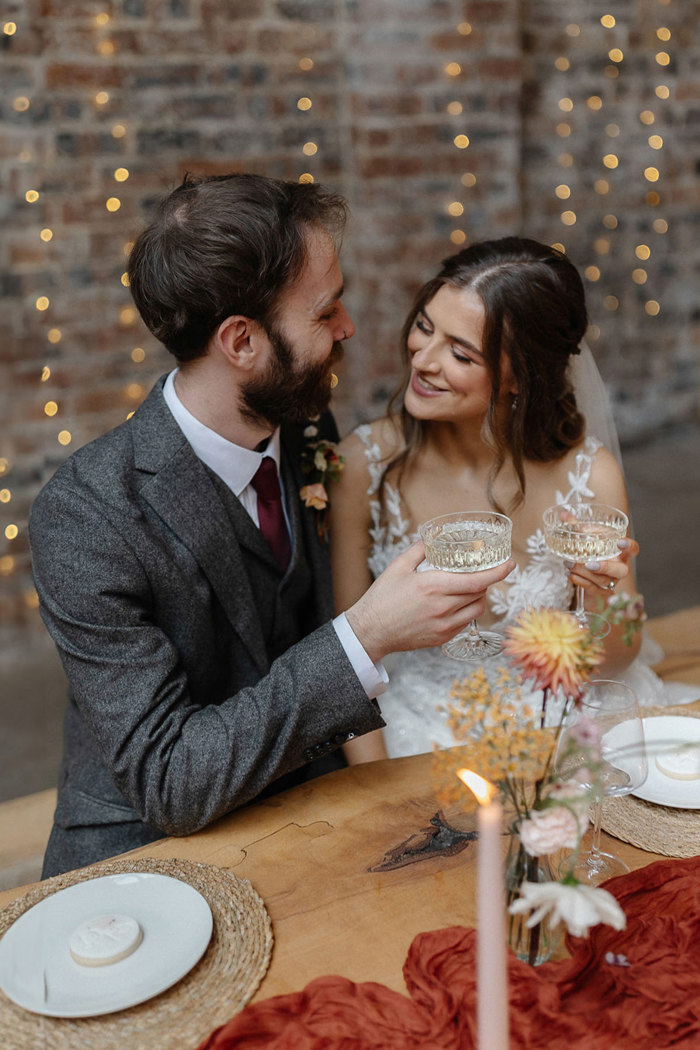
(270, 512)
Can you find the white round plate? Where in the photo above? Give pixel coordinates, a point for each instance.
(664, 733)
(38, 972)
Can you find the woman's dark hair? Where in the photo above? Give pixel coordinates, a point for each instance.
(222, 245)
(534, 314)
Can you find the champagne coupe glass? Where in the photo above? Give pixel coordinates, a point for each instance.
(613, 707)
(468, 541)
(581, 532)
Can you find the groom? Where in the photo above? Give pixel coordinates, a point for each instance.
(181, 576)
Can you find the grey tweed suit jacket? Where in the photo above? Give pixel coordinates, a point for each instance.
(151, 588)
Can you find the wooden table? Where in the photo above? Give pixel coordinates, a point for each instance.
(308, 852)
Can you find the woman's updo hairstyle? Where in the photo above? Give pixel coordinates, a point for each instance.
(535, 314)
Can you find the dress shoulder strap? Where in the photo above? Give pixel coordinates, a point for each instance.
(373, 455)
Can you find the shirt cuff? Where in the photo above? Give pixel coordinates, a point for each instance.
(373, 677)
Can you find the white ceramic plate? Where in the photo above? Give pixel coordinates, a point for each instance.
(667, 732)
(38, 972)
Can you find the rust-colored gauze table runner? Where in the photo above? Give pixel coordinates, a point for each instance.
(629, 990)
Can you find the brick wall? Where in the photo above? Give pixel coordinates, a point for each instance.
(440, 121)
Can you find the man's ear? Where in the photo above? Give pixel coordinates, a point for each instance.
(240, 340)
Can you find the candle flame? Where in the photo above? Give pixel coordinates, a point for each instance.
(482, 789)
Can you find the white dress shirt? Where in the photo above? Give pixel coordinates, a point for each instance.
(236, 466)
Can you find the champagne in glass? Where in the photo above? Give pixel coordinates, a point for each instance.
(468, 541)
(583, 532)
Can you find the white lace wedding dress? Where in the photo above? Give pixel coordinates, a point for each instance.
(420, 681)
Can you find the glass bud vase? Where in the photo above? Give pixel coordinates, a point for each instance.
(533, 945)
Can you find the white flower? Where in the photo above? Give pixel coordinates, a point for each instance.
(550, 829)
(579, 907)
(310, 432)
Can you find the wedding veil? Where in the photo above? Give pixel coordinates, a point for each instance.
(593, 401)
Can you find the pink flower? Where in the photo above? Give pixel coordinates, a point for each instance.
(587, 733)
(314, 496)
(546, 830)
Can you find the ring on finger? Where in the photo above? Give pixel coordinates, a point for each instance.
(610, 586)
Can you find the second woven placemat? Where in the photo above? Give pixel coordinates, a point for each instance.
(221, 983)
(666, 830)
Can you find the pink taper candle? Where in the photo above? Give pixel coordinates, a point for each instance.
(491, 973)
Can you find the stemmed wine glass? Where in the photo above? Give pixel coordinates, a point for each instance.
(613, 707)
(583, 531)
(468, 541)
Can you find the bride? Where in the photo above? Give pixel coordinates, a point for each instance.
(486, 417)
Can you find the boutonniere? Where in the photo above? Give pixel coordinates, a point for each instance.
(322, 462)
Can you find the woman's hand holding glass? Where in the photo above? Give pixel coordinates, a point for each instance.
(591, 539)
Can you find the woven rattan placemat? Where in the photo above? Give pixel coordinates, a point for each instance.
(221, 983)
(666, 830)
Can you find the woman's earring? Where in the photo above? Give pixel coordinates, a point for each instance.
(514, 403)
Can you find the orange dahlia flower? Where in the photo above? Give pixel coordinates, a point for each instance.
(550, 648)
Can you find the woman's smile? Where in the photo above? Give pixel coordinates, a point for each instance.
(423, 387)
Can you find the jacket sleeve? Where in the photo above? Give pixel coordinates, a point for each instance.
(180, 764)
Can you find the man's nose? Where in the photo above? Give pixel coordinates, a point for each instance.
(347, 328)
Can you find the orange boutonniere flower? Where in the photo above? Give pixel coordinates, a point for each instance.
(314, 496)
(320, 459)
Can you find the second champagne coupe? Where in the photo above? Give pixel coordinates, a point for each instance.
(469, 541)
(581, 532)
(613, 707)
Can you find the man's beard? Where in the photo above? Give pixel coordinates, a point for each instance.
(285, 394)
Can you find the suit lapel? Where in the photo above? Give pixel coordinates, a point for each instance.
(180, 490)
(305, 538)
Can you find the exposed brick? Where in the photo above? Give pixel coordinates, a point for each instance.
(212, 86)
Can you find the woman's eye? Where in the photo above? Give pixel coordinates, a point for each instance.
(422, 325)
(458, 356)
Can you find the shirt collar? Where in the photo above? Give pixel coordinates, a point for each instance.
(235, 465)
